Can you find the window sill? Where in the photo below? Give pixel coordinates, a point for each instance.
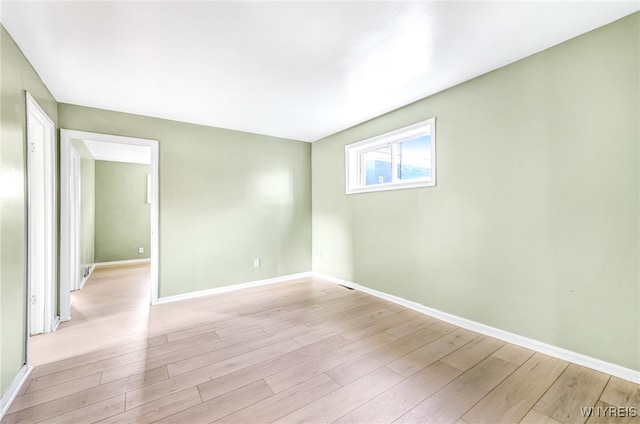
(392, 186)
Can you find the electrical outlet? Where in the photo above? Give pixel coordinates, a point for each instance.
(140, 249)
(256, 263)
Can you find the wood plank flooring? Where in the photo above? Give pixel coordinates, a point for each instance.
(302, 351)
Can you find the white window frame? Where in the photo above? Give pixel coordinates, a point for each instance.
(354, 158)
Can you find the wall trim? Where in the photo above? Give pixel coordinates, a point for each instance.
(122, 262)
(34, 112)
(56, 323)
(538, 346)
(84, 280)
(14, 388)
(233, 287)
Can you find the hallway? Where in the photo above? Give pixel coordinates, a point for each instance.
(112, 308)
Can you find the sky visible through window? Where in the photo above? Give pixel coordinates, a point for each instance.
(412, 158)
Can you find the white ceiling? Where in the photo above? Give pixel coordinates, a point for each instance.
(300, 70)
(118, 152)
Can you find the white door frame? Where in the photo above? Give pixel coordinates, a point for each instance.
(74, 217)
(67, 247)
(47, 234)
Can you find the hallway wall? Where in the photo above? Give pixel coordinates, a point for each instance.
(17, 76)
(122, 215)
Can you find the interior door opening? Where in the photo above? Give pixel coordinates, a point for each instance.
(41, 269)
(74, 213)
(70, 229)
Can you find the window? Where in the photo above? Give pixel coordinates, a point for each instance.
(404, 158)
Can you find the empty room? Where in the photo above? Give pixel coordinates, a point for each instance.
(320, 212)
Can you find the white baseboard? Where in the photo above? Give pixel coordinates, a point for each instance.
(538, 346)
(123, 262)
(14, 388)
(233, 287)
(56, 323)
(84, 280)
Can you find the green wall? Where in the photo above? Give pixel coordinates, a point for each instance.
(16, 76)
(87, 205)
(122, 215)
(226, 198)
(533, 227)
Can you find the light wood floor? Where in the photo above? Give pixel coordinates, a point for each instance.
(304, 351)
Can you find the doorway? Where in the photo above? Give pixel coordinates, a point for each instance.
(41, 268)
(70, 271)
(74, 213)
